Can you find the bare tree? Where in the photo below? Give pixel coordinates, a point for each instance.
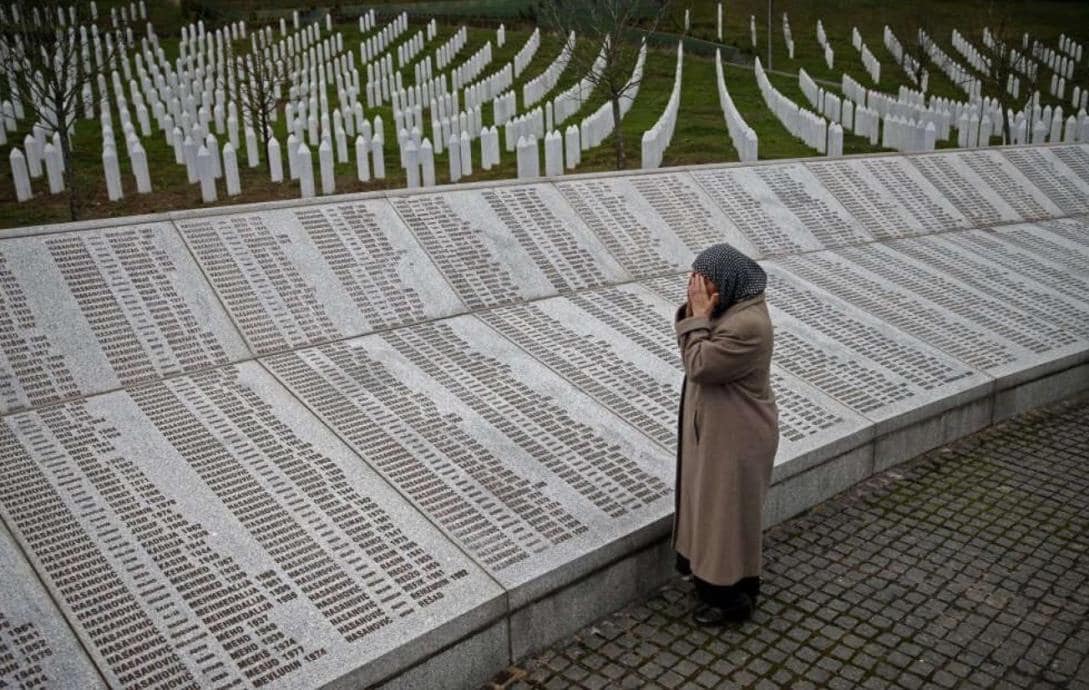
(915, 48)
(1000, 62)
(618, 27)
(261, 76)
(47, 62)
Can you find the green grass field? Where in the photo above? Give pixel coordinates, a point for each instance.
(700, 135)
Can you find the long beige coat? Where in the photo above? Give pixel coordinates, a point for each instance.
(728, 432)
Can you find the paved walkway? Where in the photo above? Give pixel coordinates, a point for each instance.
(966, 567)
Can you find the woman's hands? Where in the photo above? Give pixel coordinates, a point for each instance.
(702, 296)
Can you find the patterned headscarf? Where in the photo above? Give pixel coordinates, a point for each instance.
(736, 276)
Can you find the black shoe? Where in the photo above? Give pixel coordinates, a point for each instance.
(709, 615)
(751, 587)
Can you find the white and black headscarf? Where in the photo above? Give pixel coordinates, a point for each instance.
(736, 276)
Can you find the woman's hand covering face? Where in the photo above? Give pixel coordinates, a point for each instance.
(702, 295)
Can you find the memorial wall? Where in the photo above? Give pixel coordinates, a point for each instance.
(391, 438)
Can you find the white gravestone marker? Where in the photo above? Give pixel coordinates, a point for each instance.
(230, 170)
(113, 173)
(139, 168)
(427, 164)
(306, 172)
(206, 171)
(325, 161)
(20, 175)
(275, 165)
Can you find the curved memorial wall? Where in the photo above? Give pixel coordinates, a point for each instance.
(408, 438)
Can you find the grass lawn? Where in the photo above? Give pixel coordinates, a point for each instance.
(700, 135)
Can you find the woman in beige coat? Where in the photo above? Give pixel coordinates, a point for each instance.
(728, 432)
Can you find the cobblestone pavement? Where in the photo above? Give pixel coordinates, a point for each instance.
(965, 567)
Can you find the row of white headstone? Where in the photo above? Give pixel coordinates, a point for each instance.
(1037, 125)
(1070, 47)
(915, 73)
(570, 100)
(472, 67)
(822, 40)
(525, 134)
(298, 152)
(183, 141)
(598, 125)
(957, 73)
(872, 65)
(909, 116)
(1019, 61)
(44, 152)
(534, 125)
(741, 134)
(446, 53)
(118, 15)
(430, 91)
(908, 104)
(1063, 65)
(656, 139)
(1078, 96)
(409, 49)
(788, 37)
(525, 54)
(536, 88)
(371, 47)
(802, 123)
(969, 52)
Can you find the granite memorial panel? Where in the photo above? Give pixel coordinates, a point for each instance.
(528, 473)
(864, 198)
(814, 206)
(984, 301)
(947, 319)
(1051, 175)
(962, 186)
(292, 278)
(652, 223)
(752, 206)
(508, 243)
(587, 339)
(1074, 157)
(930, 210)
(1073, 230)
(1064, 241)
(37, 648)
(887, 196)
(873, 368)
(1000, 176)
(206, 530)
(1017, 284)
(85, 312)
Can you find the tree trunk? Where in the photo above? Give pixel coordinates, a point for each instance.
(66, 157)
(1007, 125)
(69, 177)
(262, 138)
(618, 133)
